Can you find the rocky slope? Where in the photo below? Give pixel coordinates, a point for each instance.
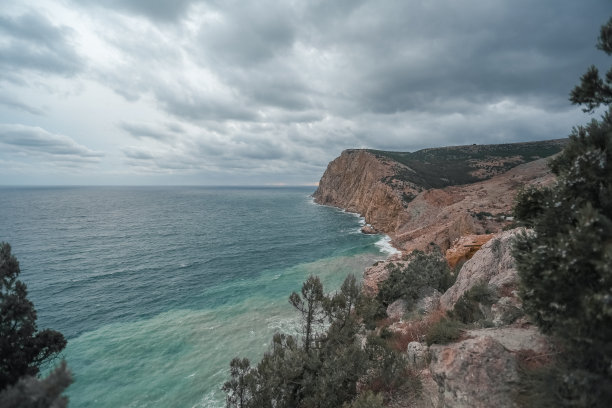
(482, 368)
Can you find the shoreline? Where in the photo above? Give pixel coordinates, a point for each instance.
(386, 240)
(372, 275)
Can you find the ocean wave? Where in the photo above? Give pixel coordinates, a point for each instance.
(384, 244)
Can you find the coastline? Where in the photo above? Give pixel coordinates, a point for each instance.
(377, 271)
(386, 241)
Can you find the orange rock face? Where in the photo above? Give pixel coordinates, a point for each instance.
(465, 247)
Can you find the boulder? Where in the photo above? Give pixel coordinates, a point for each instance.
(429, 300)
(515, 339)
(492, 264)
(416, 355)
(477, 372)
(397, 309)
(368, 229)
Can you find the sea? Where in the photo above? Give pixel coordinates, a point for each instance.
(156, 289)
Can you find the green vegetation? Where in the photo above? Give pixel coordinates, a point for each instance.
(468, 308)
(565, 263)
(322, 367)
(444, 331)
(422, 272)
(447, 166)
(24, 349)
(366, 400)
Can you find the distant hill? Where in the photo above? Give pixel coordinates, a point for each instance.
(456, 165)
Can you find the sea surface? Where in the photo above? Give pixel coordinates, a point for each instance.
(158, 288)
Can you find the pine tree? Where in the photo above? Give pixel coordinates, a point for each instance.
(565, 262)
(23, 349)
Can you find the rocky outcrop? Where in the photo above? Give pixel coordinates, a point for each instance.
(492, 264)
(482, 370)
(465, 247)
(378, 273)
(465, 221)
(354, 181)
(397, 309)
(417, 355)
(368, 229)
(478, 372)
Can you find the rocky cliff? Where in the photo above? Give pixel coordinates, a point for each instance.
(397, 200)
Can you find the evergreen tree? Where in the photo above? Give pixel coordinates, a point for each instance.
(565, 262)
(23, 349)
(321, 370)
(593, 90)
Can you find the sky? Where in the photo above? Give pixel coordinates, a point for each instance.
(211, 92)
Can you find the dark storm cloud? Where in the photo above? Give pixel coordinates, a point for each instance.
(193, 104)
(249, 32)
(32, 42)
(34, 140)
(281, 87)
(406, 56)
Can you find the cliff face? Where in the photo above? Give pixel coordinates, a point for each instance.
(383, 191)
(353, 181)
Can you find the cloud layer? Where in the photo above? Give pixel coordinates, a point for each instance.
(265, 92)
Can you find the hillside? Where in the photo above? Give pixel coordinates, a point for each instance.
(435, 196)
(455, 165)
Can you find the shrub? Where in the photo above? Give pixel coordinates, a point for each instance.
(423, 270)
(367, 399)
(468, 308)
(443, 332)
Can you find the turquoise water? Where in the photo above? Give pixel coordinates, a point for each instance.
(157, 288)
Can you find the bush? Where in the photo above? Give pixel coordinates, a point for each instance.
(370, 309)
(366, 400)
(468, 308)
(443, 332)
(538, 386)
(423, 270)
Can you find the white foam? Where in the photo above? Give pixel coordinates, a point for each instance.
(385, 245)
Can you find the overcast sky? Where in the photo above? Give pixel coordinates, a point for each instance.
(222, 92)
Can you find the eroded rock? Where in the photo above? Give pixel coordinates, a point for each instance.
(416, 355)
(492, 264)
(473, 373)
(429, 300)
(397, 309)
